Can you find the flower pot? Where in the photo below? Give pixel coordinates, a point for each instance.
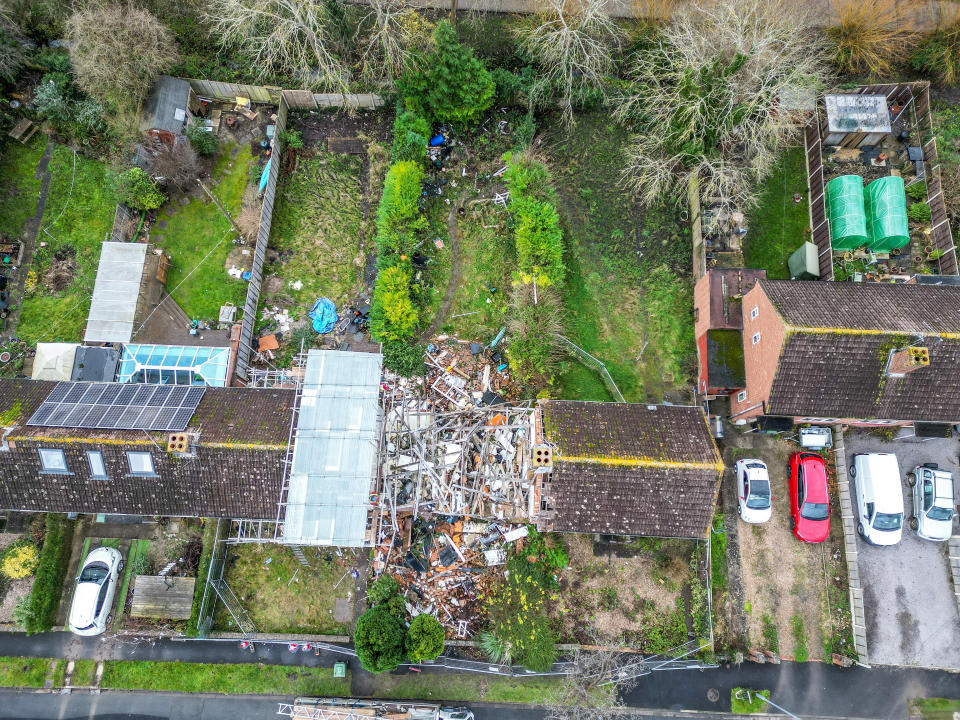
(928, 249)
(917, 259)
(895, 252)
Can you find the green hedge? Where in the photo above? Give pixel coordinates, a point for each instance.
(48, 585)
(209, 535)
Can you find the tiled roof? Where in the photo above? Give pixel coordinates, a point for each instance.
(866, 307)
(225, 415)
(844, 376)
(726, 287)
(631, 469)
(623, 500)
(628, 432)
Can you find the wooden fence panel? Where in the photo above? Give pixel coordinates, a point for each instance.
(299, 100)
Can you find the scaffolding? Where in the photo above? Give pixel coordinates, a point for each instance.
(348, 709)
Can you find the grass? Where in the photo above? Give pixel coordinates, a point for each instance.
(317, 225)
(718, 556)
(59, 673)
(934, 708)
(277, 601)
(18, 196)
(226, 679)
(78, 215)
(209, 537)
(23, 672)
(200, 286)
(137, 548)
(800, 652)
(771, 638)
(778, 226)
(742, 706)
(84, 673)
(455, 688)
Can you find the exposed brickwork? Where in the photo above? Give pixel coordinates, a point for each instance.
(760, 360)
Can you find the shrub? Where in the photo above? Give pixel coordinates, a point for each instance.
(22, 610)
(517, 622)
(917, 191)
(53, 97)
(869, 36)
(403, 359)
(527, 179)
(938, 54)
(138, 190)
(378, 640)
(919, 212)
(539, 241)
(206, 554)
(48, 585)
(382, 589)
(393, 316)
(203, 141)
(411, 133)
(291, 139)
(523, 135)
(399, 207)
(450, 84)
(20, 560)
(425, 638)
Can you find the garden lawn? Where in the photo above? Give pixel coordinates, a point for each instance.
(84, 673)
(198, 282)
(277, 601)
(778, 226)
(227, 679)
(455, 688)
(317, 225)
(934, 708)
(742, 706)
(18, 186)
(628, 297)
(78, 215)
(23, 672)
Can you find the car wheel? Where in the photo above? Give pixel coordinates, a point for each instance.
(793, 524)
(120, 567)
(860, 529)
(911, 479)
(853, 471)
(914, 523)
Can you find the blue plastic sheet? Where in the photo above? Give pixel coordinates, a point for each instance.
(265, 175)
(324, 315)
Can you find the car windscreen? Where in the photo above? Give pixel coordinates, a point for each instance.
(814, 511)
(759, 497)
(887, 521)
(94, 572)
(940, 513)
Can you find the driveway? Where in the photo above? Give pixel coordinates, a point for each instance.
(911, 611)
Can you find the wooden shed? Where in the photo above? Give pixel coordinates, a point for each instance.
(169, 598)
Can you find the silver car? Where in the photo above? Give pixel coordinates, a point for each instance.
(933, 512)
(455, 713)
(94, 592)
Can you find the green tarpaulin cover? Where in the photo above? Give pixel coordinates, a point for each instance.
(886, 205)
(845, 211)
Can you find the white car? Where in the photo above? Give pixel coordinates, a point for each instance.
(753, 491)
(95, 590)
(879, 497)
(933, 511)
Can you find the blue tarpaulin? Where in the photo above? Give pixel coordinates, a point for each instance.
(324, 315)
(265, 175)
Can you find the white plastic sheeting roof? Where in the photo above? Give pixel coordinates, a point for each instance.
(115, 293)
(335, 450)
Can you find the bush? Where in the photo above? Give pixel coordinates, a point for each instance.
(48, 585)
(22, 610)
(291, 139)
(378, 640)
(539, 241)
(203, 141)
(411, 133)
(917, 191)
(393, 316)
(448, 85)
(206, 554)
(919, 212)
(382, 589)
(403, 359)
(425, 638)
(138, 190)
(399, 208)
(869, 37)
(938, 54)
(20, 560)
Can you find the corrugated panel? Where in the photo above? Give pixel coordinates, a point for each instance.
(115, 292)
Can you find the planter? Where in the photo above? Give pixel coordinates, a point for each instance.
(917, 259)
(895, 252)
(848, 256)
(928, 249)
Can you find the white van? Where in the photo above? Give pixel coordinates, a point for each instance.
(879, 497)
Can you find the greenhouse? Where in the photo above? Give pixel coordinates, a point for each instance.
(886, 206)
(845, 211)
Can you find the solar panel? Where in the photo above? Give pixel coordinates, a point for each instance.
(115, 406)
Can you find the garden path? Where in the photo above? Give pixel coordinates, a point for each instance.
(455, 273)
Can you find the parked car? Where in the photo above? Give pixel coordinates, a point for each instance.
(933, 504)
(878, 497)
(809, 501)
(94, 591)
(455, 713)
(753, 491)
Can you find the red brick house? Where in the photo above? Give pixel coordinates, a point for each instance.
(718, 322)
(853, 353)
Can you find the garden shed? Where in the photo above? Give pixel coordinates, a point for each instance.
(168, 108)
(803, 263)
(886, 205)
(846, 212)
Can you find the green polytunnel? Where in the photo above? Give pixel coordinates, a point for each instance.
(886, 205)
(845, 212)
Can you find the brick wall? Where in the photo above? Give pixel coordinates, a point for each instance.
(760, 359)
(701, 305)
(218, 482)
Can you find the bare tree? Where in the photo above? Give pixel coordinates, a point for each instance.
(707, 99)
(394, 31)
(12, 54)
(573, 42)
(177, 164)
(117, 51)
(296, 37)
(591, 689)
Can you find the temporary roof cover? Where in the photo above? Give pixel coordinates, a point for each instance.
(54, 361)
(886, 204)
(335, 450)
(845, 211)
(114, 303)
(854, 113)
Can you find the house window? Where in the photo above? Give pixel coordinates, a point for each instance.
(696, 314)
(98, 471)
(756, 338)
(141, 463)
(742, 396)
(53, 461)
(754, 313)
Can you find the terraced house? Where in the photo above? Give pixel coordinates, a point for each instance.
(870, 354)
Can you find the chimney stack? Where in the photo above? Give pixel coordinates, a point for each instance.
(907, 359)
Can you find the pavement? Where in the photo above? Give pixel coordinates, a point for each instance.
(911, 611)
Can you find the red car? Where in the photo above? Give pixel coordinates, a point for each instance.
(809, 503)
